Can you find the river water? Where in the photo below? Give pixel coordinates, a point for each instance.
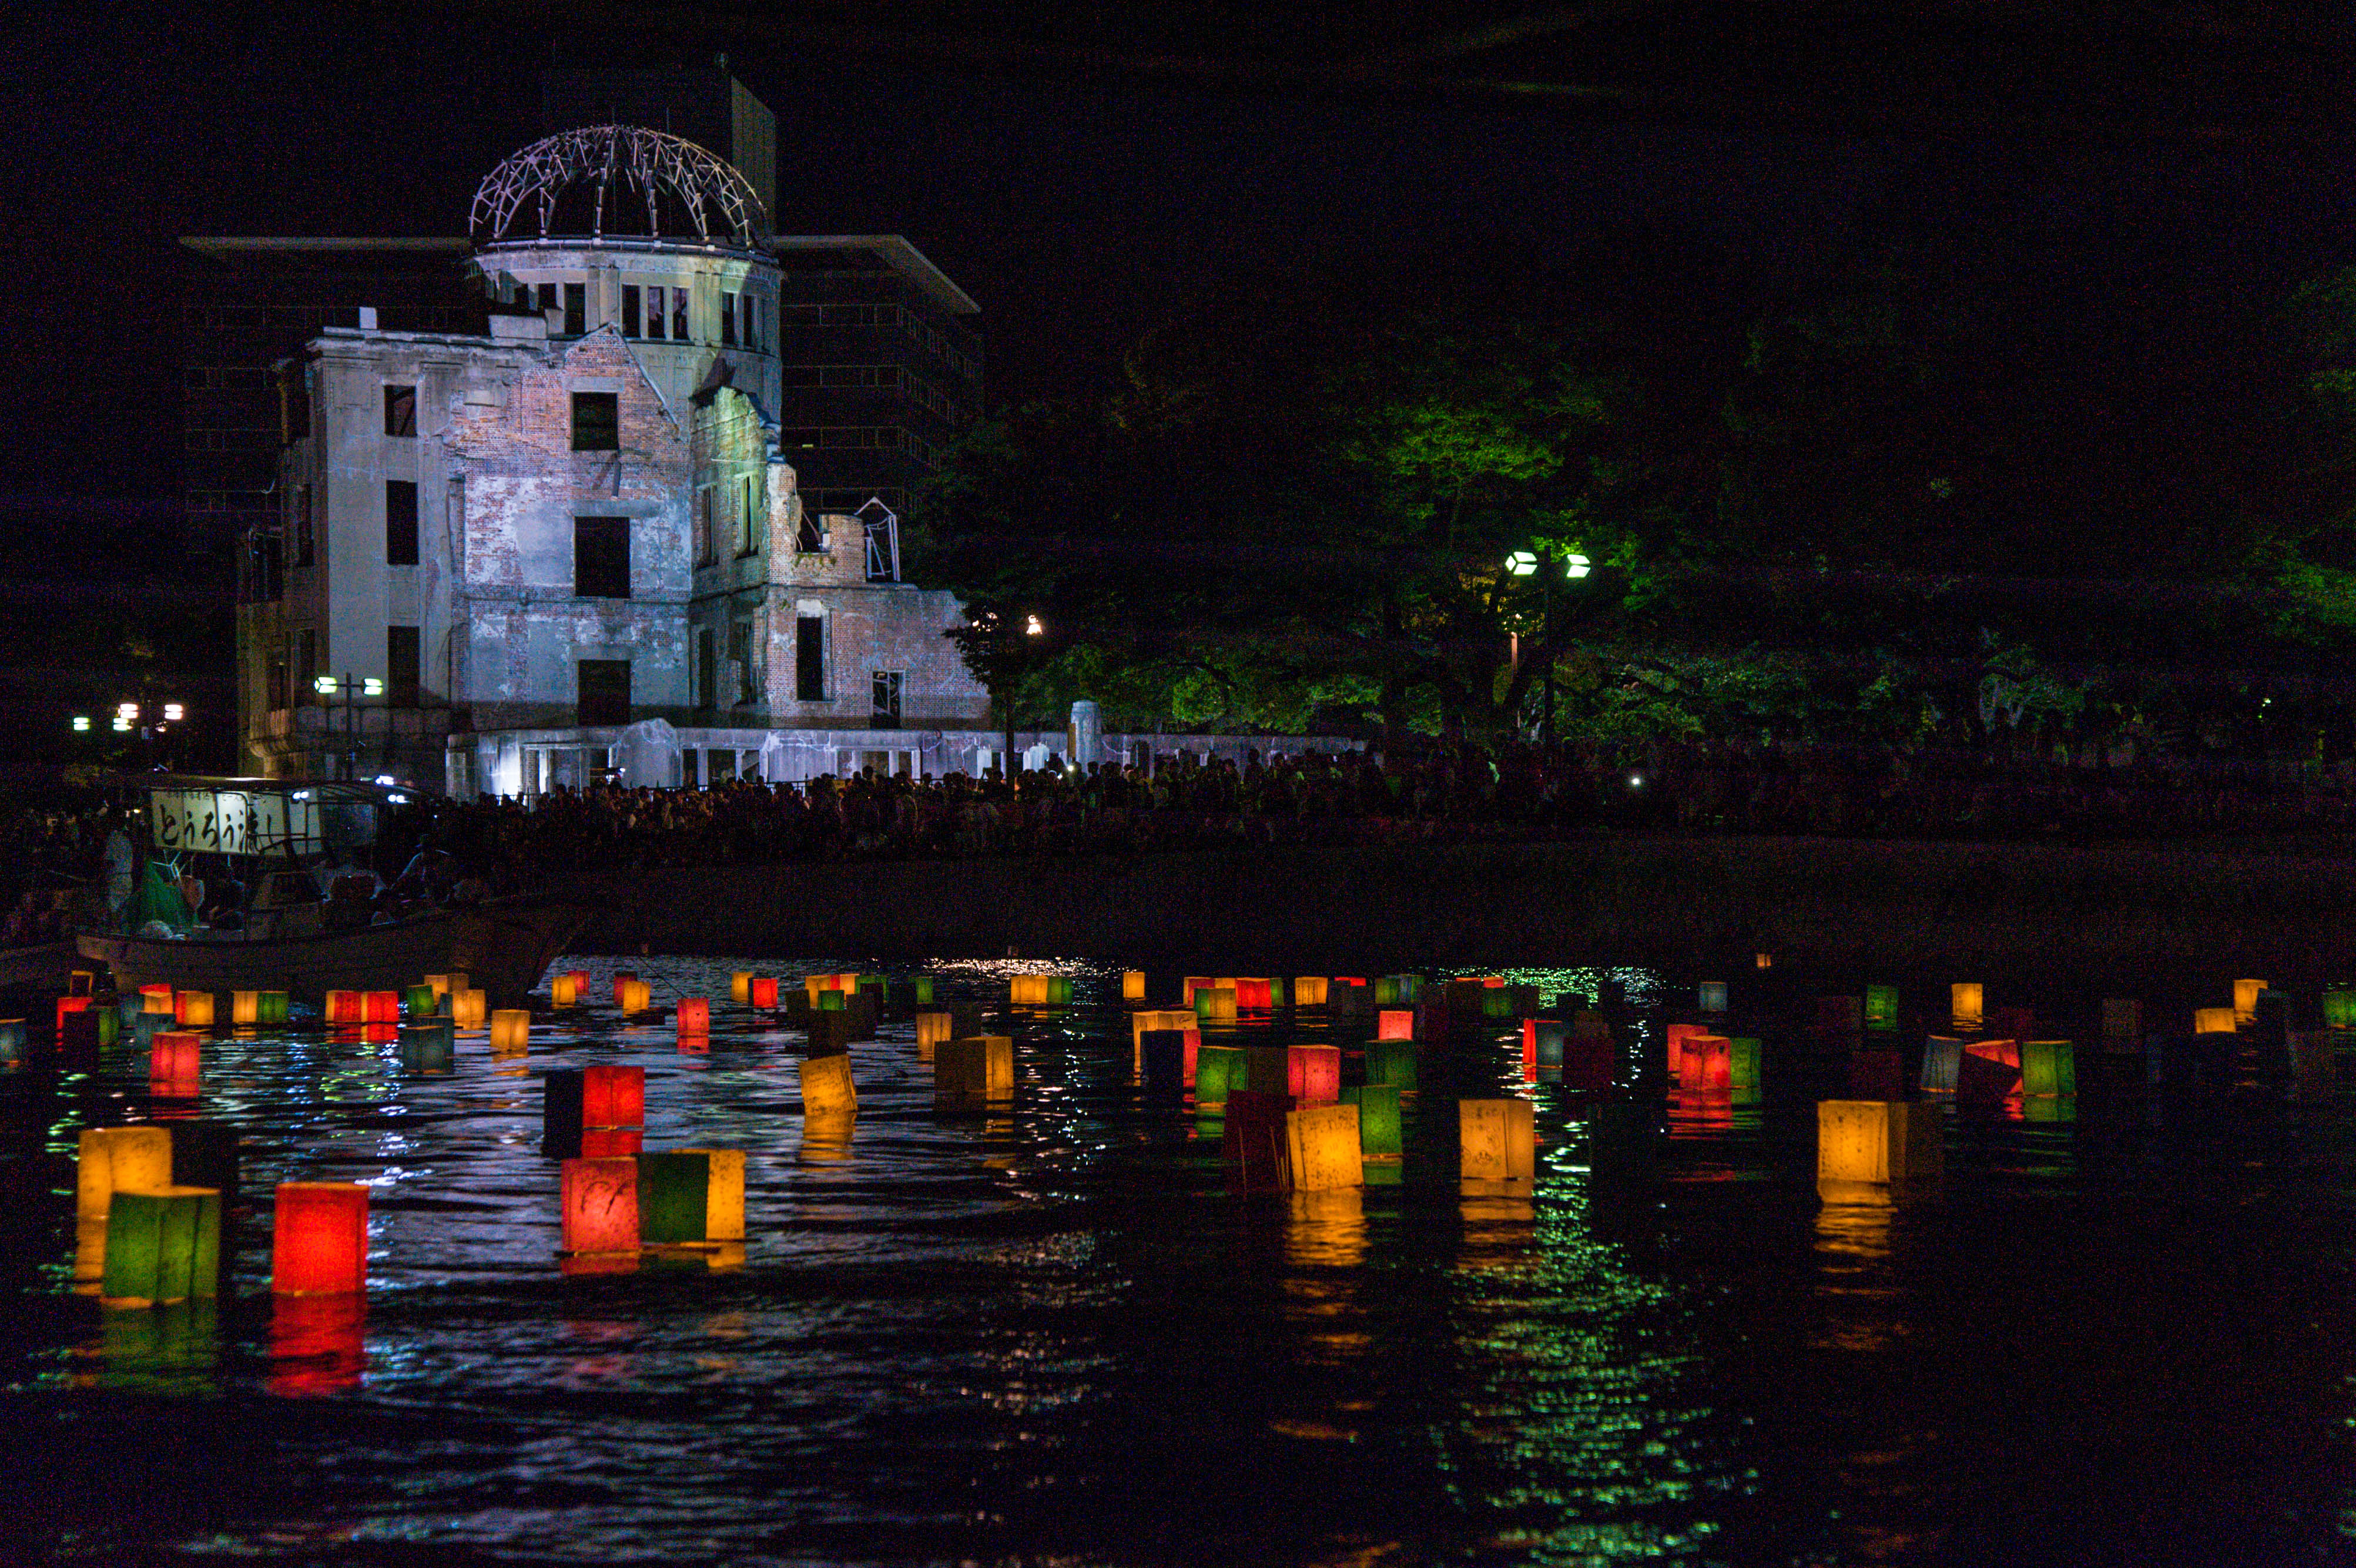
(2119, 1331)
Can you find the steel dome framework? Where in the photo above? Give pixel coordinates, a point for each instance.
(716, 200)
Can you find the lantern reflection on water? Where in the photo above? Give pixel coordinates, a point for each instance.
(316, 1344)
(319, 1239)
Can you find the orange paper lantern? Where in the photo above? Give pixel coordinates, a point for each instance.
(601, 1206)
(319, 1239)
(1395, 1024)
(154, 999)
(345, 1007)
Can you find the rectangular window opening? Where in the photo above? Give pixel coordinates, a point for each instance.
(886, 684)
(707, 669)
(302, 525)
(678, 314)
(728, 319)
(400, 522)
(596, 422)
(401, 411)
(655, 312)
(629, 310)
(740, 659)
(400, 666)
(810, 658)
(604, 687)
(576, 309)
(601, 557)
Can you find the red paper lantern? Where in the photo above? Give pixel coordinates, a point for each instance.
(319, 1239)
(174, 1063)
(1395, 1024)
(70, 1005)
(1193, 1048)
(1707, 1063)
(381, 1007)
(601, 1206)
(1312, 1074)
(620, 977)
(764, 991)
(345, 1007)
(2005, 1051)
(613, 1097)
(1253, 995)
(694, 1016)
(1677, 1033)
(1492, 982)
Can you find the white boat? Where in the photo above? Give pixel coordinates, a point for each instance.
(291, 937)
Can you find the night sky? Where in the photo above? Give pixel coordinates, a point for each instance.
(1082, 188)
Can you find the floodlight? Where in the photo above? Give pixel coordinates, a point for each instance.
(324, 684)
(1575, 564)
(82, 721)
(172, 713)
(126, 710)
(1521, 563)
(121, 725)
(371, 687)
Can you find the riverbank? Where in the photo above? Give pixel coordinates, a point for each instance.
(2023, 911)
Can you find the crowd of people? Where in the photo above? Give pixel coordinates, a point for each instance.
(439, 852)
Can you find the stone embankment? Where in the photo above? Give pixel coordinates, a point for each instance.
(2027, 913)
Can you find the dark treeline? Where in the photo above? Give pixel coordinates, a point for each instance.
(2015, 501)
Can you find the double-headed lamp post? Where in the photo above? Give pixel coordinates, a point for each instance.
(364, 686)
(1527, 564)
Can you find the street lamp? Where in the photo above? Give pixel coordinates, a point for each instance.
(1526, 564)
(365, 687)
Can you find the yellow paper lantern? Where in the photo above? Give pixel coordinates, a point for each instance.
(1867, 1151)
(1965, 996)
(1133, 985)
(980, 1068)
(1194, 982)
(1151, 1018)
(155, 999)
(468, 1009)
(1215, 1005)
(634, 995)
(510, 1030)
(1028, 990)
(932, 1028)
(827, 1086)
(740, 987)
(1497, 1139)
(193, 1009)
(1320, 1147)
(2245, 1001)
(113, 1159)
(563, 992)
(1309, 991)
(2212, 1020)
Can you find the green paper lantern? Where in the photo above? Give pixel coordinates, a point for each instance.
(2047, 1067)
(833, 1001)
(673, 1188)
(163, 1245)
(2339, 1008)
(419, 1003)
(1391, 1062)
(1217, 1070)
(923, 988)
(1378, 1119)
(271, 1008)
(1882, 1006)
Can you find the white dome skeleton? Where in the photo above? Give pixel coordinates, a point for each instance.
(711, 190)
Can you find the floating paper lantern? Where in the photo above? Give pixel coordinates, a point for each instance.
(419, 1002)
(762, 990)
(1155, 1018)
(978, 1068)
(1706, 1063)
(1027, 990)
(155, 999)
(740, 987)
(1218, 1070)
(920, 990)
(1542, 1042)
(271, 1009)
(1713, 997)
(175, 1062)
(1676, 1035)
(12, 1041)
(163, 1244)
(2121, 1023)
(1309, 990)
(1880, 1007)
(510, 1030)
(382, 1007)
(562, 991)
(623, 977)
(1320, 1147)
(1497, 1140)
(1215, 1005)
(345, 1007)
(932, 1028)
(2246, 1000)
(1964, 1000)
(1941, 1059)
(1870, 1150)
(1253, 1143)
(690, 1194)
(694, 1016)
(1133, 985)
(190, 1009)
(1257, 995)
(575, 1100)
(429, 1045)
(827, 1086)
(2212, 1020)
(1742, 1065)
(1161, 1061)
(1395, 1024)
(440, 986)
(118, 1159)
(831, 1001)
(1193, 984)
(319, 1239)
(1379, 1132)
(636, 996)
(245, 1007)
(469, 1009)
(2339, 1007)
(601, 1206)
(1391, 1062)
(1268, 1070)
(110, 1024)
(1313, 1074)
(2047, 1067)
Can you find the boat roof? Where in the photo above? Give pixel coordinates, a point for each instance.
(330, 792)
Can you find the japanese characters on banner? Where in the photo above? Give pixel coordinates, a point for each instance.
(232, 822)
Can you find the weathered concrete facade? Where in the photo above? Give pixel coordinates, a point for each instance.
(532, 539)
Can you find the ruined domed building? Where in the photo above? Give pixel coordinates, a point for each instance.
(578, 541)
